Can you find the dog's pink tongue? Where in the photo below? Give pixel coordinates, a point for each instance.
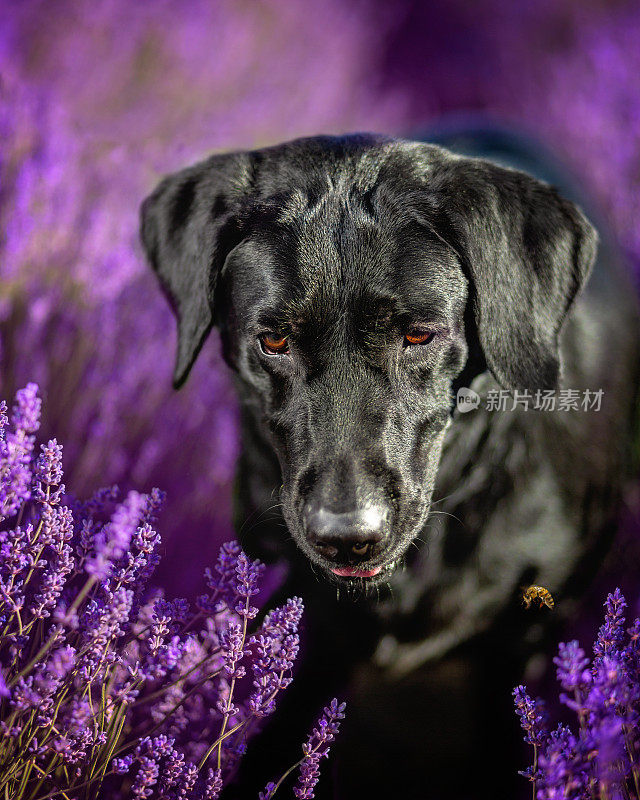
(348, 572)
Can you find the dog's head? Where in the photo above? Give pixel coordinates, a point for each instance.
(354, 280)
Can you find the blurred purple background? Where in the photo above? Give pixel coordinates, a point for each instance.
(99, 99)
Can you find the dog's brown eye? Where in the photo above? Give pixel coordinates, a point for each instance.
(418, 337)
(273, 344)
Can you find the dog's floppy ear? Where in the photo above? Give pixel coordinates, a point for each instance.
(527, 252)
(188, 226)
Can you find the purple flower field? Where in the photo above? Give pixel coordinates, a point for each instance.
(107, 689)
(98, 100)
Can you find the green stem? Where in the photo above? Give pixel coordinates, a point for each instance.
(25, 777)
(175, 707)
(297, 764)
(82, 594)
(43, 650)
(162, 690)
(79, 786)
(233, 683)
(219, 741)
(235, 728)
(101, 767)
(45, 774)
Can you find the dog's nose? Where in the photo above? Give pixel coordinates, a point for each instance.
(346, 536)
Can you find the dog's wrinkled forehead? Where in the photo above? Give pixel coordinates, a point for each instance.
(345, 252)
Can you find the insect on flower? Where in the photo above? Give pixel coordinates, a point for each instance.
(539, 593)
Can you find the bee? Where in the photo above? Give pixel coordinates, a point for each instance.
(539, 593)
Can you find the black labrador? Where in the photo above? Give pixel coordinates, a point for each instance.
(358, 283)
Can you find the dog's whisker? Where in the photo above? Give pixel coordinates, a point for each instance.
(271, 508)
(442, 499)
(449, 514)
(257, 516)
(253, 527)
(252, 518)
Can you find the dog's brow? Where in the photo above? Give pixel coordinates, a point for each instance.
(295, 206)
(273, 319)
(428, 306)
(286, 318)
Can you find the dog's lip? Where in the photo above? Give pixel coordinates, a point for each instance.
(353, 572)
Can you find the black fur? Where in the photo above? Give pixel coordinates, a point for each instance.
(344, 245)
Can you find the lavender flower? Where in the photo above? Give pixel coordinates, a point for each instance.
(275, 648)
(48, 471)
(4, 419)
(532, 716)
(223, 582)
(611, 633)
(15, 453)
(317, 747)
(57, 535)
(247, 574)
(232, 642)
(285, 619)
(146, 778)
(213, 784)
(25, 416)
(564, 767)
(602, 759)
(113, 540)
(572, 666)
(267, 792)
(122, 765)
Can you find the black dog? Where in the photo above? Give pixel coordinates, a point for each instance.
(357, 283)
